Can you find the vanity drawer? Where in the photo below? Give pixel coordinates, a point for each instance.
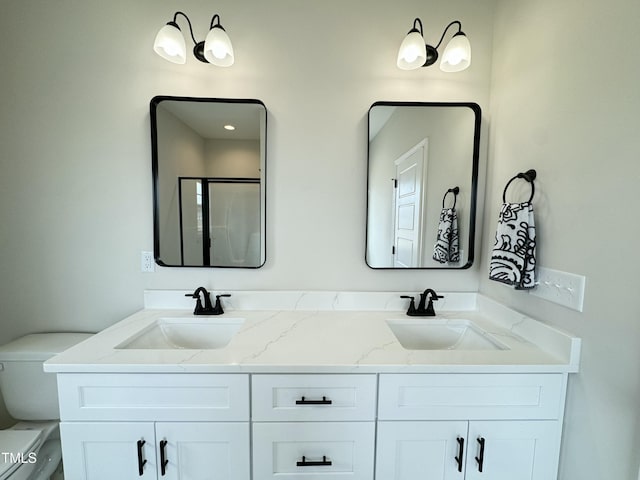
(331, 451)
(155, 397)
(313, 397)
(471, 396)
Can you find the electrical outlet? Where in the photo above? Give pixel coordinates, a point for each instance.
(146, 262)
(563, 288)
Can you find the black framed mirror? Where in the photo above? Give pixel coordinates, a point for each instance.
(422, 181)
(209, 181)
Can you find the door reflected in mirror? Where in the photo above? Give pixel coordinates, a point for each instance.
(209, 165)
(422, 184)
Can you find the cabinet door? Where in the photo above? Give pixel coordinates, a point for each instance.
(413, 450)
(203, 450)
(513, 450)
(106, 451)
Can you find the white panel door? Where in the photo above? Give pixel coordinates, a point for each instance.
(408, 208)
(203, 451)
(513, 450)
(108, 451)
(421, 450)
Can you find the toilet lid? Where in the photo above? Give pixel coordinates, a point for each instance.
(19, 443)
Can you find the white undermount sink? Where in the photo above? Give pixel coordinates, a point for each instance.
(185, 333)
(442, 334)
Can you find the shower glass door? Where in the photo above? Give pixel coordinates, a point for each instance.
(234, 223)
(220, 222)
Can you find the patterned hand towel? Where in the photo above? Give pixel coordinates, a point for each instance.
(513, 260)
(446, 247)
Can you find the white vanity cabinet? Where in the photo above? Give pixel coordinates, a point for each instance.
(312, 427)
(128, 450)
(469, 426)
(459, 426)
(164, 426)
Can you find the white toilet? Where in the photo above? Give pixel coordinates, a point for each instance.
(31, 448)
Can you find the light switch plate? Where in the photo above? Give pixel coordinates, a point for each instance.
(566, 289)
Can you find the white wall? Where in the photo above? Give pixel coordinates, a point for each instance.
(181, 154)
(565, 100)
(233, 158)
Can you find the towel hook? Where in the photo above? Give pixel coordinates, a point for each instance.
(455, 191)
(529, 176)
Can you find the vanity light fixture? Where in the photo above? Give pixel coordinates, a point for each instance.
(215, 49)
(414, 53)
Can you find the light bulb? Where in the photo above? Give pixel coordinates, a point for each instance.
(455, 57)
(219, 51)
(410, 54)
(171, 50)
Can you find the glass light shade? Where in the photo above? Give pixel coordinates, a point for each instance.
(217, 48)
(413, 51)
(457, 54)
(169, 44)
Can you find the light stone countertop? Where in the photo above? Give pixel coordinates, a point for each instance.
(326, 332)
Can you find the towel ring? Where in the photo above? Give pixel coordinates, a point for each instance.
(455, 191)
(529, 176)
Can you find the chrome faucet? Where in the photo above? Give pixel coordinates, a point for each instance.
(207, 309)
(423, 309)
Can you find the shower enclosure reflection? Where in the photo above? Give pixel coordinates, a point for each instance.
(219, 222)
(209, 161)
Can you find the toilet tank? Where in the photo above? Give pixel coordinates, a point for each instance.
(28, 392)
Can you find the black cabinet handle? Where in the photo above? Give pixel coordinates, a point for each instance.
(141, 462)
(460, 453)
(305, 463)
(304, 401)
(480, 459)
(163, 457)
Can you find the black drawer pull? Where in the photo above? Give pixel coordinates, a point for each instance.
(141, 462)
(460, 453)
(304, 401)
(480, 459)
(163, 457)
(305, 463)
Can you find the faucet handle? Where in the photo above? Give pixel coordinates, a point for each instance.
(430, 312)
(217, 308)
(412, 305)
(198, 310)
